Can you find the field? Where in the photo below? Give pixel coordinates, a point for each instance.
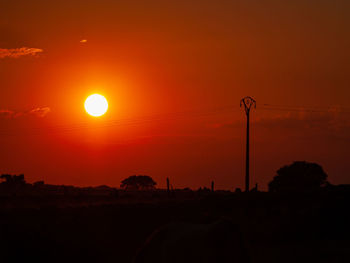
(276, 228)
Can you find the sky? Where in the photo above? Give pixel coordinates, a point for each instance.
(173, 73)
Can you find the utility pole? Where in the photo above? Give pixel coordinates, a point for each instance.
(248, 103)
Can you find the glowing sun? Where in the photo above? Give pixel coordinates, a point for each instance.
(96, 105)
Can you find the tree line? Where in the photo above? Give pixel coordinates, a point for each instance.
(300, 176)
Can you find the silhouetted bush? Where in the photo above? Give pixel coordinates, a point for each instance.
(138, 182)
(299, 176)
(13, 179)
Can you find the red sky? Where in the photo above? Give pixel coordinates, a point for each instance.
(173, 73)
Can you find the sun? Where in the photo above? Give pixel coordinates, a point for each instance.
(96, 105)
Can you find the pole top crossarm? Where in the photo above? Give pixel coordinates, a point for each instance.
(248, 102)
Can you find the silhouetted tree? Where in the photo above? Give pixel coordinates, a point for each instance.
(299, 176)
(138, 182)
(6, 177)
(13, 179)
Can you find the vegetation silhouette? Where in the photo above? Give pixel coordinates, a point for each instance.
(138, 182)
(105, 224)
(300, 176)
(14, 184)
(13, 179)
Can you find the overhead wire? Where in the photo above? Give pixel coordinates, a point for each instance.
(197, 113)
(273, 107)
(129, 121)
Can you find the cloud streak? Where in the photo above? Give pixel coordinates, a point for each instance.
(7, 114)
(19, 52)
(39, 112)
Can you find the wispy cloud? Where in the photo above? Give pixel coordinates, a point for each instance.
(38, 112)
(7, 114)
(19, 52)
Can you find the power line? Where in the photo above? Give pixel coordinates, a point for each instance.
(198, 113)
(310, 107)
(338, 109)
(127, 121)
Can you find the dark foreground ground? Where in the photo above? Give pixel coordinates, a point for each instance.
(277, 228)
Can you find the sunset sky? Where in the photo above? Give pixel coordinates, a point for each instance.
(173, 73)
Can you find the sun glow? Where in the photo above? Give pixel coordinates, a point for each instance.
(96, 105)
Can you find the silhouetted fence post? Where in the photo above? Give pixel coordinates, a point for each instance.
(212, 186)
(247, 102)
(168, 186)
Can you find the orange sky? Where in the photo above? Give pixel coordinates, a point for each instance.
(173, 73)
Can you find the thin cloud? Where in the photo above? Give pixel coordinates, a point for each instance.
(7, 114)
(37, 112)
(40, 112)
(19, 52)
